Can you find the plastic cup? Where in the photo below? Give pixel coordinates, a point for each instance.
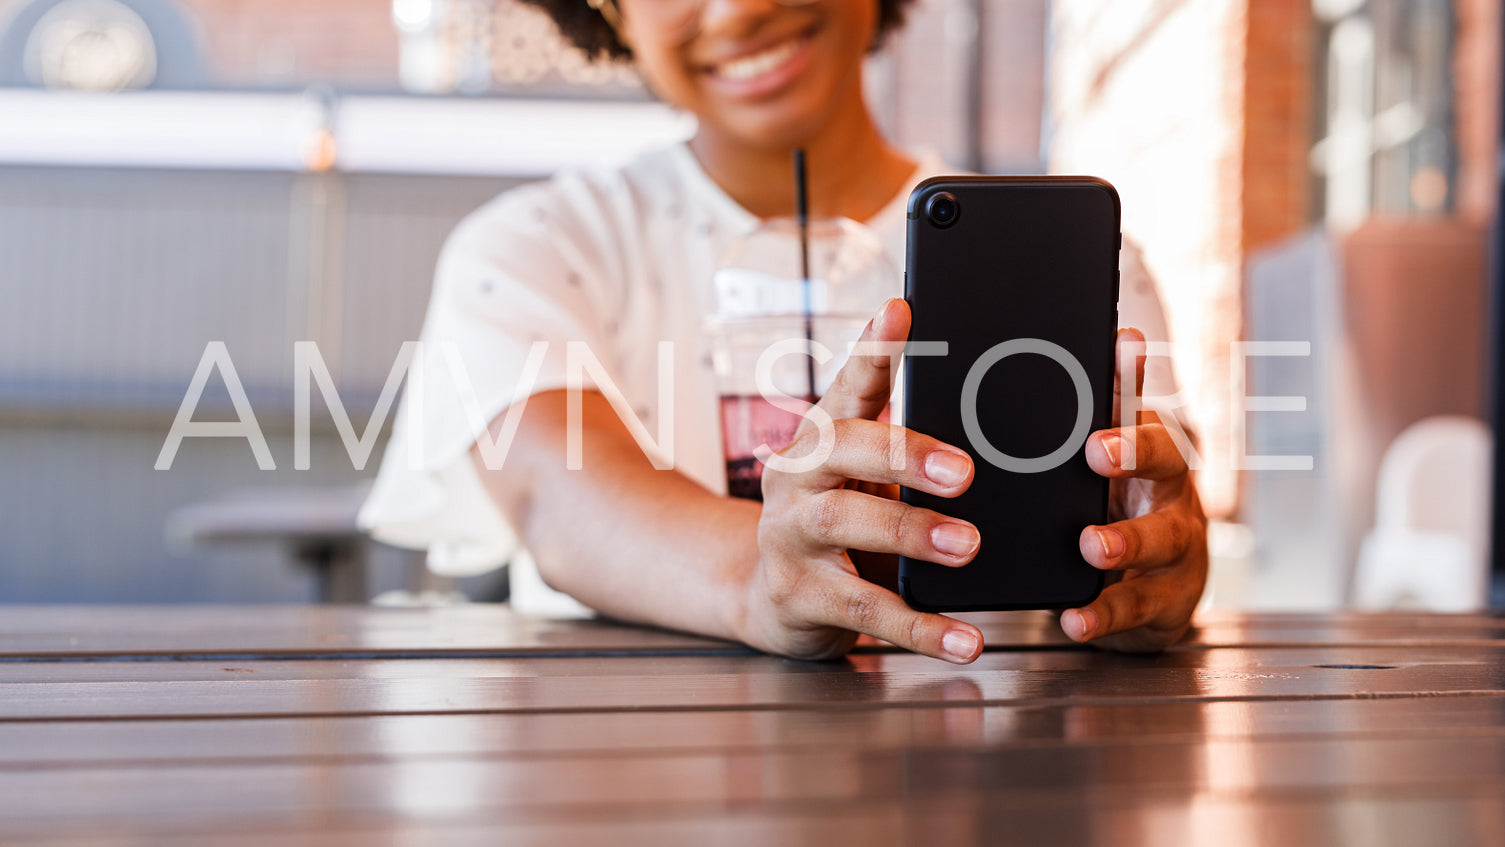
(778, 339)
(763, 370)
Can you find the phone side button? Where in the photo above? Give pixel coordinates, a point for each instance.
(1118, 278)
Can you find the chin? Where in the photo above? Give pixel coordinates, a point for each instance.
(775, 136)
(775, 126)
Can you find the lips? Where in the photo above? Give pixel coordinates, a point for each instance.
(761, 62)
(765, 71)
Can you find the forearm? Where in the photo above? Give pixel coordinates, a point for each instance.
(630, 541)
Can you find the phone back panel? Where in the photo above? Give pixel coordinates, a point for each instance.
(1032, 261)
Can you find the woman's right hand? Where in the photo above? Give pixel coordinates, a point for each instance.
(806, 598)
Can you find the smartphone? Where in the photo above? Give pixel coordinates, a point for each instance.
(1018, 276)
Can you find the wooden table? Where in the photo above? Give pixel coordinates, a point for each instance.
(472, 725)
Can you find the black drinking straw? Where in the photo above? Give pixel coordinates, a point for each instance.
(802, 214)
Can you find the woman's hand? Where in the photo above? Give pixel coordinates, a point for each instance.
(1157, 541)
(806, 598)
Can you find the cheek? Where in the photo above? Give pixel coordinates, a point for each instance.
(662, 71)
(859, 27)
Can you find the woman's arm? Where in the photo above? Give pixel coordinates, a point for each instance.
(628, 540)
(651, 546)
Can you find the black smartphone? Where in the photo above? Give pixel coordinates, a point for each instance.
(1018, 276)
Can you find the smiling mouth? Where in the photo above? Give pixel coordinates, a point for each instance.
(763, 61)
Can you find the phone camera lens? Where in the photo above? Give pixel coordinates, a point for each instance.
(942, 210)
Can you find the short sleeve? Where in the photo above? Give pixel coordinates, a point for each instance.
(513, 287)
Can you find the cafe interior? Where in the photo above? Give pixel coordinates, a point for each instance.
(201, 643)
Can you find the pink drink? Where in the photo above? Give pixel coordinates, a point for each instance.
(748, 421)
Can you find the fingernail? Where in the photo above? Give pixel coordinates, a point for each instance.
(955, 539)
(944, 467)
(1086, 622)
(960, 644)
(1113, 445)
(1112, 541)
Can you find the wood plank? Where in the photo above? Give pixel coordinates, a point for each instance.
(1251, 661)
(1372, 817)
(55, 632)
(575, 788)
(29, 747)
(764, 684)
(1220, 629)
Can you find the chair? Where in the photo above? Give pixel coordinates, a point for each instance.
(1429, 546)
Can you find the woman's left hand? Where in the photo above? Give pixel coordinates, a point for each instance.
(1157, 538)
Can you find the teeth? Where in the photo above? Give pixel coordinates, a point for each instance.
(757, 64)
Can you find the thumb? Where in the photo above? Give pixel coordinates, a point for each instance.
(865, 383)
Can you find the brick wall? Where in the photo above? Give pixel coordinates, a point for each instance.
(1476, 81)
(1277, 130)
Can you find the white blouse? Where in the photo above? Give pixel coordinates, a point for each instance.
(622, 260)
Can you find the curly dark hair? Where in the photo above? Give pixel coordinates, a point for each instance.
(584, 27)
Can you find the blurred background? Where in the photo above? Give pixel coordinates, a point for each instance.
(262, 172)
